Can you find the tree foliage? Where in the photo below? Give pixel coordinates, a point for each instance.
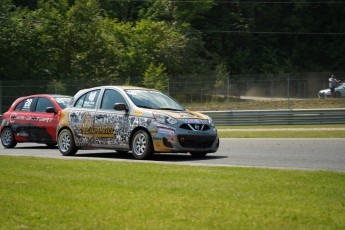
(105, 40)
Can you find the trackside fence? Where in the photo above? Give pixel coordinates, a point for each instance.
(277, 117)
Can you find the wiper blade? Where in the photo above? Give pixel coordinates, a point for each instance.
(144, 106)
(170, 109)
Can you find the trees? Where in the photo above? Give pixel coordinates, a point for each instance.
(103, 40)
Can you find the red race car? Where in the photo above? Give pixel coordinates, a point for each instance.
(32, 119)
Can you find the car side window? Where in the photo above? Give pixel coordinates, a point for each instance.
(25, 105)
(111, 97)
(88, 100)
(43, 103)
(19, 106)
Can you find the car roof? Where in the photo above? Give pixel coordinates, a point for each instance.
(45, 95)
(123, 87)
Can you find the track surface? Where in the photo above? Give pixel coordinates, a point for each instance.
(291, 153)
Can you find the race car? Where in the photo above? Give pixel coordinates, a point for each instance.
(134, 119)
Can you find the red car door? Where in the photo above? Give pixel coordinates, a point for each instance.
(43, 124)
(20, 119)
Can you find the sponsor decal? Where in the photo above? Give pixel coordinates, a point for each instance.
(193, 121)
(153, 132)
(108, 129)
(14, 118)
(172, 139)
(186, 114)
(166, 131)
(138, 112)
(160, 126)
(23, 134)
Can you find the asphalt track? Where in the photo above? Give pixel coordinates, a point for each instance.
(283, 153)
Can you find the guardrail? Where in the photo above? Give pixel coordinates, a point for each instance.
(277, 117)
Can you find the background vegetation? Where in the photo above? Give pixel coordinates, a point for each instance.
(153, 41)
(193, 50)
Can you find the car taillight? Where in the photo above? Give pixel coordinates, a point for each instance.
(59, 115)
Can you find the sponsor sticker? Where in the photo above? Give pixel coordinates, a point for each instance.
(193, 121)
(166, 131)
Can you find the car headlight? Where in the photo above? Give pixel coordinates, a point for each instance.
(210, 121)
(164, 119)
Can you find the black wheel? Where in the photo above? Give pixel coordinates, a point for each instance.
(7, 138)
(337, 94)
(198, 154)
(142, 147)
(66, 143)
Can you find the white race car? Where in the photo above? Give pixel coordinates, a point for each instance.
(338, 92)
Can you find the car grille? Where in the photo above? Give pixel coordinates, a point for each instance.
(197, 142)
(195, 127)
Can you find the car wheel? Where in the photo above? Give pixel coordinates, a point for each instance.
(7, 138)
(66, 143)
(142, 147)
(337, 94)
(198, 154)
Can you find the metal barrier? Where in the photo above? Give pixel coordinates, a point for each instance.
(277, 117)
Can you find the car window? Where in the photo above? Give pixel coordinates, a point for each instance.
(63, 101)
(26, 104)
(153, 100)
(43, 103)
(88, 100)
(111, 97)
(19, 106)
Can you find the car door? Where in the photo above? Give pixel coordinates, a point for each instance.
(111, 127)
(82, 116)
(43, 124)
(20, 119)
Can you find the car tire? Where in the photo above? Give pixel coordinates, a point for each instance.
(66, 143)
(7, 138)
(141, 145)
(198, 154)
(337, 94)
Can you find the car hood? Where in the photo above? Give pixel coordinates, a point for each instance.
(187, 114)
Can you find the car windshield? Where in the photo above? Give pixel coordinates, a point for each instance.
(152, 99)
(63, 101)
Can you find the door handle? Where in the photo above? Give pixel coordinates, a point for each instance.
(34, 118)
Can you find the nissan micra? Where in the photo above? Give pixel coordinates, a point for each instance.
(133, 119)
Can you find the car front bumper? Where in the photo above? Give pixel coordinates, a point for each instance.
(179, 140)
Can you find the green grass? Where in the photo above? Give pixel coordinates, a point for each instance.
(242, 104)
(38, 193)
(282, 131)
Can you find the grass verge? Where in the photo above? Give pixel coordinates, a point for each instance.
(283, 131)
(242, 104)
(40, 193)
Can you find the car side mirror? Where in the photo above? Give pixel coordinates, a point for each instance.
(120, 107)
(50, 110)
